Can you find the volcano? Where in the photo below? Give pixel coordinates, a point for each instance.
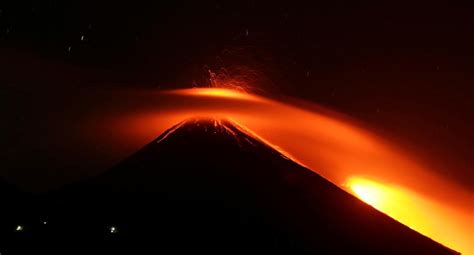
(209, 186)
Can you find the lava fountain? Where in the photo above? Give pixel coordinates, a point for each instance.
(365, 165)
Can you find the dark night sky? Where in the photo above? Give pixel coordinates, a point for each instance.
(406, 70)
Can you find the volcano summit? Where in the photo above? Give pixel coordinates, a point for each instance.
(208, 186)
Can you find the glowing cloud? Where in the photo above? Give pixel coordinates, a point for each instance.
(215, 92)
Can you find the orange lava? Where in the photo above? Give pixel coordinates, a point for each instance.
(356, 160)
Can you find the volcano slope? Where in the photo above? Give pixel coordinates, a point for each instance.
(210, 186)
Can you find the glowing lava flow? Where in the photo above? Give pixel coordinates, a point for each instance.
(334, 147)
(419, 212)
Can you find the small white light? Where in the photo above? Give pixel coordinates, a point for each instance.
(44, 222)
(19, 228)
(113, 230)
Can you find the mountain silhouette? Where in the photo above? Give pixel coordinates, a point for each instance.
(209, 186)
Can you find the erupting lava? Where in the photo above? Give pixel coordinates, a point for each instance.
(356, 160)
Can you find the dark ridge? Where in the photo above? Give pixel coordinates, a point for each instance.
(208, 186)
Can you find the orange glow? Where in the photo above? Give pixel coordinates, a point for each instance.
(416, 211)
(407, 207)
(216, 92)
(370, 192)
(326, 142)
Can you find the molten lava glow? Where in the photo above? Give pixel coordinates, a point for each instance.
(372, 193)
(418, 212)
(407, 207)
(326, 142)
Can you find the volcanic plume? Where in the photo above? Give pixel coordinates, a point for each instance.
(347, 153)
(207, 185)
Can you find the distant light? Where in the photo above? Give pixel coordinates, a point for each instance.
(82, 38)
(113, 230)
(19, 228)
(44, 222)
